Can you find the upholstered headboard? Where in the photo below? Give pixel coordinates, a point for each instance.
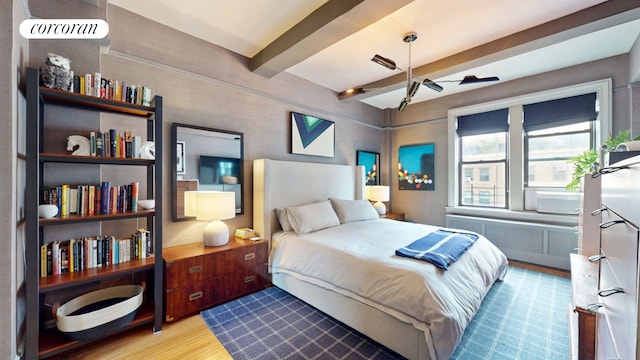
(280, 184)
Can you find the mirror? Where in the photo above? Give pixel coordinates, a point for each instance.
(205, 159)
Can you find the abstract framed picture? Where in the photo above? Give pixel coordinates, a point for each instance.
(312, 136)
(371, 162)
(416, 167)
(180, 158)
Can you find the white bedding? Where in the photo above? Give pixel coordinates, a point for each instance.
(358, 260)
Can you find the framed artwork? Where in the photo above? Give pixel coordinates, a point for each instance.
(312, 136)
(371, 163)
(180, 159)
(416, 167)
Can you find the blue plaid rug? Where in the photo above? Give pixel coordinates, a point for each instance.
(524, 317)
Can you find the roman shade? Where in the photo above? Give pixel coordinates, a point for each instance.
(560, 112)
(483, 123)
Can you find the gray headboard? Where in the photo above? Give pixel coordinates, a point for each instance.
(279, 184)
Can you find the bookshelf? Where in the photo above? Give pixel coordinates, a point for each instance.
(43, 340)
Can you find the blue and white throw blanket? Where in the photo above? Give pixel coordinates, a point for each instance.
(441, 247)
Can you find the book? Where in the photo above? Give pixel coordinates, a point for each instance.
(77, 85)
(82, 86)
(73, 201)
(98, 200)
(64, 202)
(88, 84)
(99, 144)
(92, 143)
(44, 248)
(135, 189)
(91, 201)
(105, 196)
(113, 142)
(128, 144)
(71, 264)
(97, 80)
(55, 258)
(137, 141)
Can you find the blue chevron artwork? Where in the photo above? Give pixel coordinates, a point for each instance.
(312, 136)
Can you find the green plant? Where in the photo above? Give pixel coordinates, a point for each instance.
(583, 163)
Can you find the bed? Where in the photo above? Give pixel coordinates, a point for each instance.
(349, 269)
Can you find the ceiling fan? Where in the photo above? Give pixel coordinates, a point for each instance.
(413, 83)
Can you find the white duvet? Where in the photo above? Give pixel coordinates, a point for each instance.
(358, 260)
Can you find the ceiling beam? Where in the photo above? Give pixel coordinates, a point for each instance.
(595, 18)
(328, 24)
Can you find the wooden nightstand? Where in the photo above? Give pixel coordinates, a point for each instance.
(199, 277)
(393, 216)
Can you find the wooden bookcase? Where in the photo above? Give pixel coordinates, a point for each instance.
(44, 340)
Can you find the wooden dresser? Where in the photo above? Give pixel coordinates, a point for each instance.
(199, 277)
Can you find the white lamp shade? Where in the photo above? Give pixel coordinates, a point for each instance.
(215, 205)
(378, 193)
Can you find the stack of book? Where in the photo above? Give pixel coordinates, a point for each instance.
(115, 144)
(96, 85)
(89, 200)
(73, 255)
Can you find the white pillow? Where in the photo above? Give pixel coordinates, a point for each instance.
(283, 219)
(312, 217)
(354, 210)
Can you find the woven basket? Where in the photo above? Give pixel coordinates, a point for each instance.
(99, 312)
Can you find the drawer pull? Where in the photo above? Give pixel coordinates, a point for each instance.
(195, 269)
(249, 279)
(611, 291)
(610, 223)
(594, 307)
(249, 256)
(595, 258)
(195, 296)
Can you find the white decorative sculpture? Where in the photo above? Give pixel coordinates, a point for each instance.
(148, 150)
(82, 143)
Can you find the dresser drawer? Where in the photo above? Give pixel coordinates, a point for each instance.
(190, 270)
(246, 257)
(192, 298)
(245, 281)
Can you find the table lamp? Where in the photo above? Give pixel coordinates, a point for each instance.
(378, 193)
(212, 206)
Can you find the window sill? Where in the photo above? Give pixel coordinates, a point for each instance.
(503, 214)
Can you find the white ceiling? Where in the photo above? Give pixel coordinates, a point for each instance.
(444, 27)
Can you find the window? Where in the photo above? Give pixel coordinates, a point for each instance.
(483, 151)
(495, 155)
(556, 131)
(547, 152)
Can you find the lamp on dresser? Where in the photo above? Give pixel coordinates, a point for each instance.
(378, 193)
(212, 206)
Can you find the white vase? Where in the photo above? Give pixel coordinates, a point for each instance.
(47, 211)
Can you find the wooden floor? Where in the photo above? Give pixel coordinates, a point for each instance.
(189, 338)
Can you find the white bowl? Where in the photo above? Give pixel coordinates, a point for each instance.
(147, 204)
(47, 211)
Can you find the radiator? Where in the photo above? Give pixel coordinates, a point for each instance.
(542, 244)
